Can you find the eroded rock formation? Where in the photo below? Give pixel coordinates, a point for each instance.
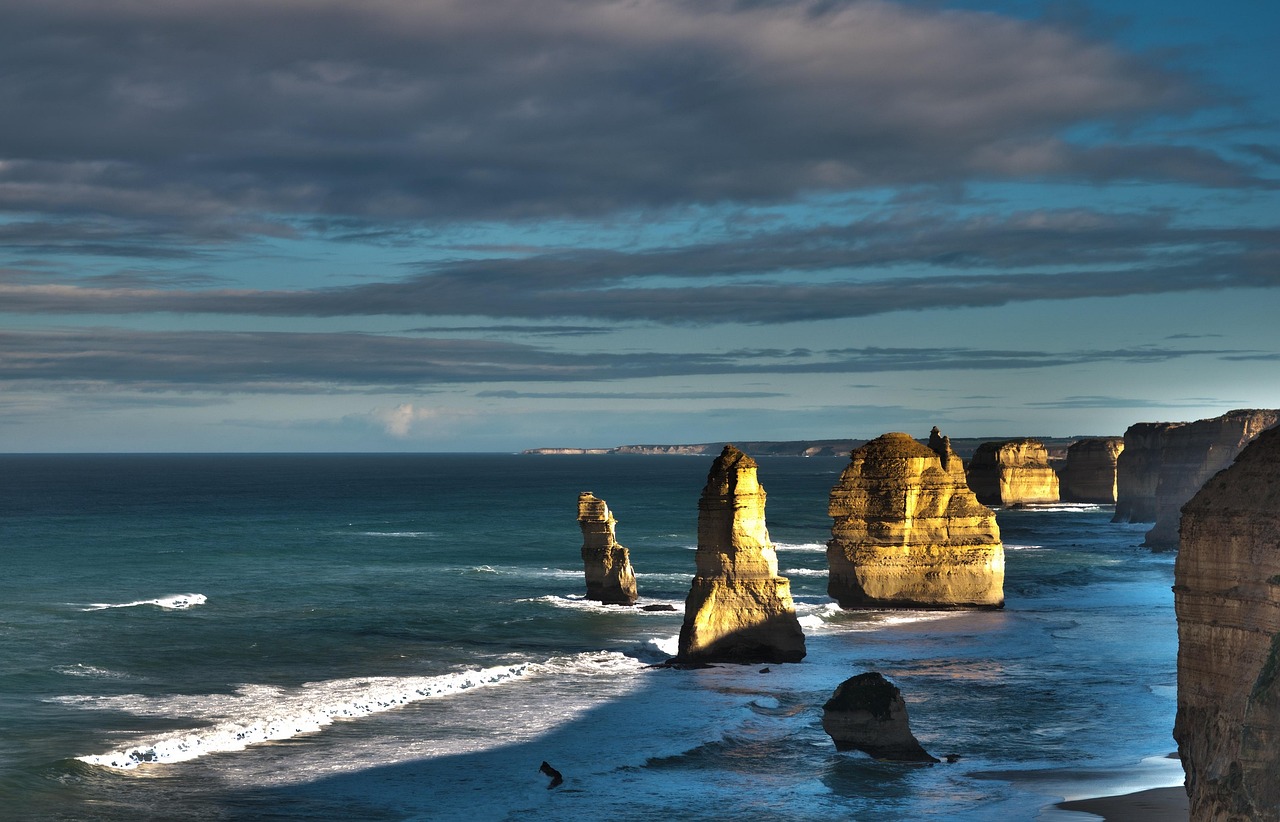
(610, 578)
(738, 608)
(1165, 463)
(1089, 474)
(867, 713)
(908, 533)
(1227, 599)
(1013, 472)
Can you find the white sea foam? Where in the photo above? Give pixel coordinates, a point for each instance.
(1023, 547)
(807, 547)
(805, 572)
(1050, 507)
(578, 602)
(172, 602)
(88, 671)
(400, 534)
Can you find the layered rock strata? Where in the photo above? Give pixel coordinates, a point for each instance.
(1227, 600)
(908, 532)
(607, 565)
(867, 713)
(738, 608)
(1164, 463)
(1089, 474)
(1013, 472)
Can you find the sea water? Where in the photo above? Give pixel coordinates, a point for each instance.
(242, 637)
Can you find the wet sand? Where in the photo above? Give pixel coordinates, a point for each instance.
(1155, 805)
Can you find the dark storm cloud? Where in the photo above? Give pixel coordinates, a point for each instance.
(782, 276)
(197, 113)
(284, 361)
(628, 395)
(1130, 402)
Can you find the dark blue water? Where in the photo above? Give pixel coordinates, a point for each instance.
(403, 637)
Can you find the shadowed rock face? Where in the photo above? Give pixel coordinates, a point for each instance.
(738, 608)
(610, 578)
(867, 713)
(1012, 472)
(1165, 463)
(1090, 471)
(908, 533)
(1227, 599)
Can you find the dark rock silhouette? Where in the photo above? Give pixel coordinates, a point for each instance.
(867, 713)
(556, 778)
(1089, 474)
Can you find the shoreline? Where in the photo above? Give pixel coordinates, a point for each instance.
(1151, 805)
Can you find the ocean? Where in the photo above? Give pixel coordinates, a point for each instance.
(396, 637)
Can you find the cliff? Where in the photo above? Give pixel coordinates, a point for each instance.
(1089, 474)
(1163, 465)
(867, 713)
(738, 608)
(908, 533)
(1227, 600)
(1013, 472)
(610, 578)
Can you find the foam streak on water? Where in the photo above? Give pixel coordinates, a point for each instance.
(170, 602)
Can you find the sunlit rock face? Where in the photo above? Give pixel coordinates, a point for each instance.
(738, 608)
(610, 578)
(1165, 463)
(867, 713)
(1227, 600)
(908, 533)
(1013, 472)
(1089, 474)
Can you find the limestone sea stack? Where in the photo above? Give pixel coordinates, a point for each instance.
(1227, 600)
(1012, 472)
(610, 578)
(908, 532)
(867, 713)
(1089, 474)
(1165, 463)
(738, 608)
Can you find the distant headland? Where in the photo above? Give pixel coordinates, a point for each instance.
(963, 446)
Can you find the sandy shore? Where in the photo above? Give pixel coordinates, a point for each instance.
(1155, 805)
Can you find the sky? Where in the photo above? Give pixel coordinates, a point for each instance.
(491, 225)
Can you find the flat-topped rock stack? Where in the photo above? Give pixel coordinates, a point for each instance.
(1013, 472)
(607, 565)
(1227, 600)
(1089, 474)
(1164, 463)
(738, 609)
(908, 532)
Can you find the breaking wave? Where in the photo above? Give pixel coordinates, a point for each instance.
(172, 602)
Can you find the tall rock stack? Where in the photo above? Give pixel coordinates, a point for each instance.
(1089, 474)
(1013, 472)
(738, 608)
(1164, 464)
(908, 533)
(610, 578)
(1227, 599)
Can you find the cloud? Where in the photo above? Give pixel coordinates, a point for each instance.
(628, 395)
(399, 420)
(215, 117)
(1103, 401)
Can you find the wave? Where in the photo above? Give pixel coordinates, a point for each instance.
(172, 602)
(805, 572)
(400, 534)
(577, 602)
(808, 547)
(90, 671)
(1050, 507)
(1023, 547)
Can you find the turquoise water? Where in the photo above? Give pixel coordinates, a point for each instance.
(404, 637)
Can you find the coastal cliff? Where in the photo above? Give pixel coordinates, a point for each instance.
(738, 608)
(1163, 465)
(607, 565)
(908, 532)
(1089, 474)
(1012, 472)
(1227, 600)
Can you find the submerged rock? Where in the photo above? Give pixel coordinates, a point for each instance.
(738, 608)
(607, 565)
(867, 713)
(1165, 463)
(1227, 600)
(1012, 472)
(908, 533)
(1089, 474)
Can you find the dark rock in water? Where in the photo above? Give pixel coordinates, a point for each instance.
(556, 778)
(952, 758)
(658, 608)
(867, 713)
(766, 670)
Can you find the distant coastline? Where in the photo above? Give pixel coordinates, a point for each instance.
(964, 446)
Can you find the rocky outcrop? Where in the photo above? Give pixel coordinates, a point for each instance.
(1227, 600)
(1013, 472)
(1089, 474)
(867, 713)
(738, 608)
(1165, 463)
(908, 533)
(610, 578)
